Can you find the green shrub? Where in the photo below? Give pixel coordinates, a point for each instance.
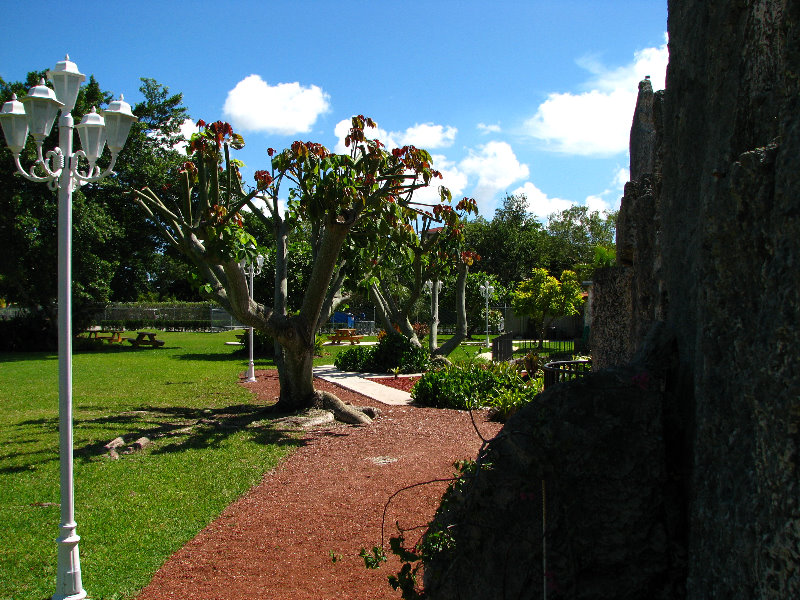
(263, 344)
(457, 386)
(28, 332)
(112, 324)
(474, 385)
(357, 359)
(392, 352)
(510, 400)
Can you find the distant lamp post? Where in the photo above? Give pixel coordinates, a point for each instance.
(434, 332)
(59, 169)
(253, 270)
(487, 291)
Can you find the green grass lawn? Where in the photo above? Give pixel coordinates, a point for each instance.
(134, 512)
(211, 443)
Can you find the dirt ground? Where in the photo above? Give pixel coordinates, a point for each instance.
(297, 535)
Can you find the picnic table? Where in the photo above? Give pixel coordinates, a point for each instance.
(110, 335)
(146, 338)
(345, 334)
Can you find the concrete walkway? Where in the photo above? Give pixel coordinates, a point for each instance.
(359, 382)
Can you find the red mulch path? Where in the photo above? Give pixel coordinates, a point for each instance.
(398, 383)
(275, 542)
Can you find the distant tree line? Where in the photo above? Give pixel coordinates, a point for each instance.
(116, 252)
(119, 255)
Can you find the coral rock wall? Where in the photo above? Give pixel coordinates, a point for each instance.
(705, 303)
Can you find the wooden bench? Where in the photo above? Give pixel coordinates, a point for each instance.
(113, 336)
(146, 338)
(345, 334)
(96, 333)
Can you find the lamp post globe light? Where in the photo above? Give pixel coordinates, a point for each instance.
(486, 291)
(59, 169)
(253, 270)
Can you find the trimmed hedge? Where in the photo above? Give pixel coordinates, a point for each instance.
(166, 324)
(392, 352)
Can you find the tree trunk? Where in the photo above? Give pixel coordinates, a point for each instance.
(391, 314)
(296, 360)
(298, 393)
(296, 377)
(460, 333)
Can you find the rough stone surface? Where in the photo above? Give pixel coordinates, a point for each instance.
(633, 298)
(611, 529)
(611, 317)
(710, 245)
(731, 225)
(643, 133)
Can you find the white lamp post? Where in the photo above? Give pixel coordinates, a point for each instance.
(486, 291)
(434, 292)
(254, 270)
(59, 169)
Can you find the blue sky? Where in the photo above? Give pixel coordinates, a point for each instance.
(509, 96)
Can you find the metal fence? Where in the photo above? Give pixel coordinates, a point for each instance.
(192, 316)
(565, 370)
(503, 347)
(550, 346)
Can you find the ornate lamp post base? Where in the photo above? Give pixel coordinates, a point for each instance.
(68, 583)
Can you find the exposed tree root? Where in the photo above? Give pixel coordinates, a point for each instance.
(312, 418)
(346, 413)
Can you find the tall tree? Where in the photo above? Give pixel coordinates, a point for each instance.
(574, 235)
(511, 244)
(402, 259)
(542, 298)
(28, 227)
(116, 254)
(331, 193)
(152, 156)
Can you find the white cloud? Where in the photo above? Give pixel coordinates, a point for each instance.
(597, 203)
(539, 203)
(188, 127)
(452, 178)
(648, 62)
(621, 177)
(427, 136)
(542, 206)
(496, 167)
(285, 108)
(484, 128)
(597, 122)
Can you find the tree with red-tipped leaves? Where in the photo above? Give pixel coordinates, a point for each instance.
(368, 190)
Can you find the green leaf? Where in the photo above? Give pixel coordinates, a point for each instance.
(237, 141)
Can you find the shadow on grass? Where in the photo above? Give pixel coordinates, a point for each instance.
(26, 356)
(178, 428)
(211, 356)
(171, 429)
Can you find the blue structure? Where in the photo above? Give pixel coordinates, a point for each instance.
(343, 319)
